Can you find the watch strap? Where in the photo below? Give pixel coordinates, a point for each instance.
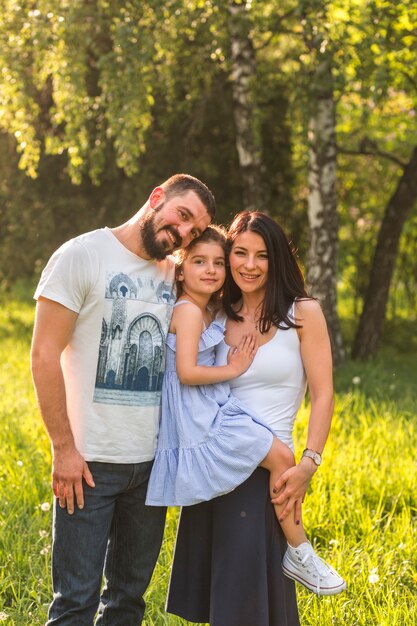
(312, 454)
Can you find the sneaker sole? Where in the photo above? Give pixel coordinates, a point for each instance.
(324, 591)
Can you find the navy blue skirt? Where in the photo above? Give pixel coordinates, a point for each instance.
(227, 563)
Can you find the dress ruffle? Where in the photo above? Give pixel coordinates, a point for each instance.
(188, 475)
(209, 338)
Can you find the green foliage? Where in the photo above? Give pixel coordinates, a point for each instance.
(96, 62)
(376, 117)
(36, 216)
(103, 100)
(360, 511)
(24, 483)
(190, 128)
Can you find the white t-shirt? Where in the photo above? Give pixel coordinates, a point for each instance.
(114, 363)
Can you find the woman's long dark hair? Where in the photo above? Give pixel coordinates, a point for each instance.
(285, 280)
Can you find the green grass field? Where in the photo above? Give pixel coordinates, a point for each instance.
(360, 512)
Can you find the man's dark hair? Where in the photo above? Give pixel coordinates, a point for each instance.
(179, 184)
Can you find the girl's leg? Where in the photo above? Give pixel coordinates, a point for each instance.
(277, 461)
(300, 561)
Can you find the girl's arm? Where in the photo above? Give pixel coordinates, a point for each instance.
(317, 359)
(187, 324)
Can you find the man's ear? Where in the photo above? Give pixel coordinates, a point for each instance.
(156, 196)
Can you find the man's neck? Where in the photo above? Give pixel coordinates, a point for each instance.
(129, 235)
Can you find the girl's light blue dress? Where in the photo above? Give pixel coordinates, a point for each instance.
(209, 442)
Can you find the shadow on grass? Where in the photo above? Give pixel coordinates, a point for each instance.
(391, 376)
(17, 309)
(12, 325)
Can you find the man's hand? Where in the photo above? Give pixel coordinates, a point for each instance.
(68, 470)
(54, 326)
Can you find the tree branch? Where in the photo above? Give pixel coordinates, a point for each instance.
(369, 148)
(410, 79)
(276, 30)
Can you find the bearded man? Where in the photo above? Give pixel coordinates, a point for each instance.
(104, 303)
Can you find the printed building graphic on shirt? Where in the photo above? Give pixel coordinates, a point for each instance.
(131, 353)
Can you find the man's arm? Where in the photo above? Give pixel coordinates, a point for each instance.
(54, 325)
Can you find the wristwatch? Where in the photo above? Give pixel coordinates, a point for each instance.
(315, 456)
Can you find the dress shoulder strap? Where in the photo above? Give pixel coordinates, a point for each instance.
(221, 318)
(292, 310)
(179, 302)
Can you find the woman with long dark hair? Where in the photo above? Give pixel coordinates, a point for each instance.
(229, 561)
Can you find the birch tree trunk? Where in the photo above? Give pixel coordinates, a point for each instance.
(396, 213)
(242, 75)
(322, 256)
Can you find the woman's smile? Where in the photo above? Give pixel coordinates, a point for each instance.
(249, 261)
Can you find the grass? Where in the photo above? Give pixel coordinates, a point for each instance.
(360, 512)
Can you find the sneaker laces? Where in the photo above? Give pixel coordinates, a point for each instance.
(319, 565)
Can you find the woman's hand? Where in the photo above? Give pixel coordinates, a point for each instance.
(292, 487)
(240, 357)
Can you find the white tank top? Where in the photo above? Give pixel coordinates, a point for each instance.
(275, 384)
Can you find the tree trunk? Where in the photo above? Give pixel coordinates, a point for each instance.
(396, 213)
(322, 201)
(242, 75)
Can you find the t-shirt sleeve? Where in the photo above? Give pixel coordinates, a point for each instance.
(66, 278)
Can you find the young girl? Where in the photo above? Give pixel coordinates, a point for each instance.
(209, 442)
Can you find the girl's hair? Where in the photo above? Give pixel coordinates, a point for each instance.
(285, 281)
(212, 234)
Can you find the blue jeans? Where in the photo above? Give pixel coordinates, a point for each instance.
(115, 534)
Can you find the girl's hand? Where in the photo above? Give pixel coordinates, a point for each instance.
(240, 357)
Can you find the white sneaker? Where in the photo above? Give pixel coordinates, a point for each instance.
(303, 565)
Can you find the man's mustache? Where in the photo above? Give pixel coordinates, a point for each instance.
(175, 234)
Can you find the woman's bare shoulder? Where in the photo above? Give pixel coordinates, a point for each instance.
(308, 311)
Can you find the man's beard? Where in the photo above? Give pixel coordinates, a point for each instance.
(154, 248)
